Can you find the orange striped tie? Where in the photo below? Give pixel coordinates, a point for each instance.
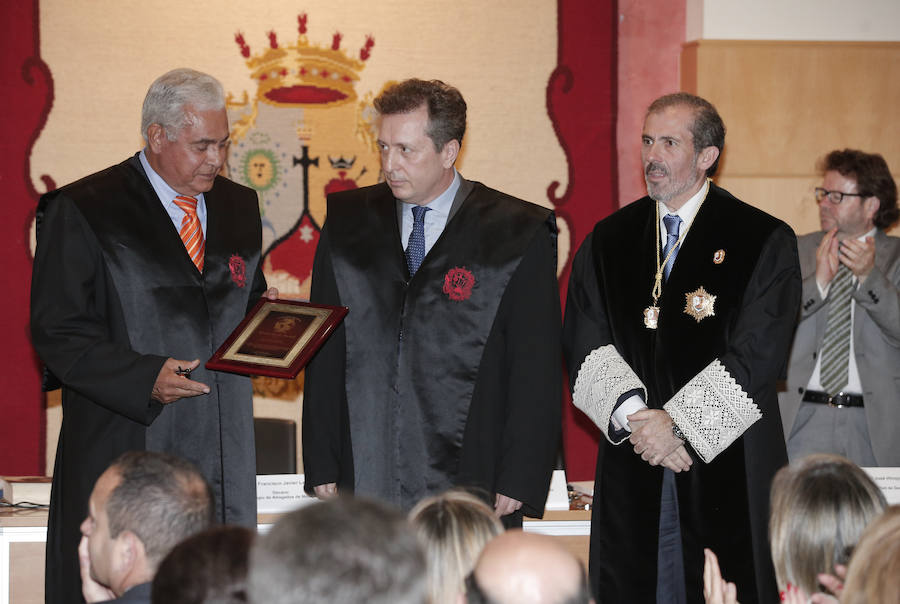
(191, 232)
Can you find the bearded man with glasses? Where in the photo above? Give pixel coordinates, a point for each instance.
(843, 384)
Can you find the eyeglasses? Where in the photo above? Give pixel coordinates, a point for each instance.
(835, 197)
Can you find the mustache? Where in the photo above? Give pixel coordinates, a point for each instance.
(655, 166)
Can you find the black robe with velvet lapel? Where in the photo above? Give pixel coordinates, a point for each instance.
(723, 504)
(436, 381)
(114, 294)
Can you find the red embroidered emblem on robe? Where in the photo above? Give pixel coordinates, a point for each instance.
(458, 284)
(238, 269)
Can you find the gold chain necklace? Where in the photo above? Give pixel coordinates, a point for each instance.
(651, 313)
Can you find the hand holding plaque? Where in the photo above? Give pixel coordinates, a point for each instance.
(277, 338)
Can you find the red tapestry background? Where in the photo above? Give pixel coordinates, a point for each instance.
(26, 88)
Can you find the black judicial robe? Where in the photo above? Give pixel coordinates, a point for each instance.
(449, 378)
(723, 504)
(114, 294)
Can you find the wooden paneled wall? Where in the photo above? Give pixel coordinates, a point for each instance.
(786, 104)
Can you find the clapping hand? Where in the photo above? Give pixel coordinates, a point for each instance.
(716, 590)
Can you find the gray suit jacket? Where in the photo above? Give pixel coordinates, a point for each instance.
(876, 342)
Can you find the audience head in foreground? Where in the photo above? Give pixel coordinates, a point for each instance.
(208, 568)
(523, 568)
(821, 504)
(342, 551)
(453, 528)
(141, 507)
(874, 572)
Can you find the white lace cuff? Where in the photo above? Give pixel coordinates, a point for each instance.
(712, 411)
(603, 378)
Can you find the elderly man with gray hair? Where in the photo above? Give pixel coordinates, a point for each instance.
(141, 272)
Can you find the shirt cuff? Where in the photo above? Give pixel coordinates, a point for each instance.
(632, 404)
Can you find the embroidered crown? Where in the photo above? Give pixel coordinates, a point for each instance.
(304, 73)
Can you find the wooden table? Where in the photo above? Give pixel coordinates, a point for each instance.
(23, 536)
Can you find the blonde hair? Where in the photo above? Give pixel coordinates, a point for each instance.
(874, 572)
(452, 528)
(821, 504)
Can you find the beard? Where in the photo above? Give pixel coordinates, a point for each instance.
(670, 187)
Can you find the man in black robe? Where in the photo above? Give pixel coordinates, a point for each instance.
(679, 316)
(446, 370)
(123, 312)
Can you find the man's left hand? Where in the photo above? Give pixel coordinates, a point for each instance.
(504, 505)
(678, 460)
(271, 293)
(651, 435)
(858, 256)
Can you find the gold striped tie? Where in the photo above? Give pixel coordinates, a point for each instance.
(191, 232)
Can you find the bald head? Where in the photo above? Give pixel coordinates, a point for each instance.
(527, 569)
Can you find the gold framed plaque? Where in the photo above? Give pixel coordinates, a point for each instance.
(277, 338)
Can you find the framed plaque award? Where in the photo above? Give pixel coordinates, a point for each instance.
(277, 338)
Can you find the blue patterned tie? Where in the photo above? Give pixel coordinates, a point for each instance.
(672, 225)
(415, 248)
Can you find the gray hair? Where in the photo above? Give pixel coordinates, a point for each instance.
(172, 93)
(820, 506)
(341, 551)
(161, 498)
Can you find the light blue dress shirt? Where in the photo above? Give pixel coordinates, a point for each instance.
(435, 218)
(167, 197)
